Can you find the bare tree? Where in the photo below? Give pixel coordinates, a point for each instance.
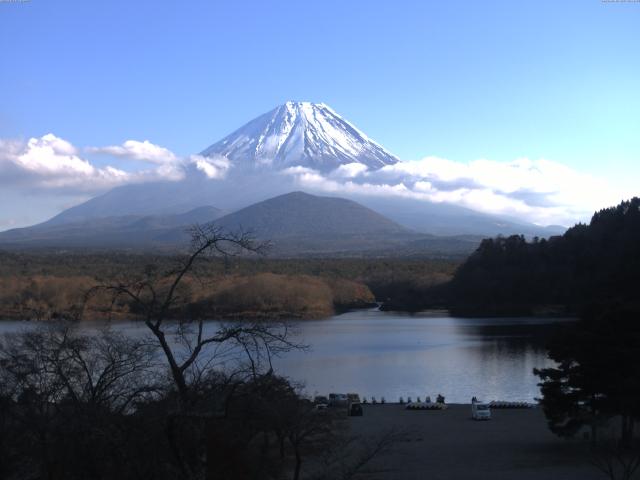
(306, 426)
(57, 362)
(156, 297)
(63, 385)
(615, 459)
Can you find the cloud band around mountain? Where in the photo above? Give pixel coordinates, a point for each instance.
(135, 150)
(540, 191)
(51, 163)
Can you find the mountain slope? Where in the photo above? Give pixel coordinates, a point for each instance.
(300, 224)
(204, 214)
(301, 214)
(296, 224)
(448, 219)
(168, 198)
(300, 134)
(122, 232)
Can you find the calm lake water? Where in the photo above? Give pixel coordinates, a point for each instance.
(393, 354)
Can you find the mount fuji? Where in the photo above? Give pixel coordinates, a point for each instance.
(300, 136)
(303, 134)
(295, 134)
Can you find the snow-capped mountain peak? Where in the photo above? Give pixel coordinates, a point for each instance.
(300, 134)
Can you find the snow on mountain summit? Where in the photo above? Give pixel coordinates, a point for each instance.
(300, 134)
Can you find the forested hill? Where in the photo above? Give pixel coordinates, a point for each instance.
(595, 263)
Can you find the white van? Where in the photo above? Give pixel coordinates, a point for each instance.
(480, 410)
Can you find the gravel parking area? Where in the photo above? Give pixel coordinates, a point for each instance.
(514, 444)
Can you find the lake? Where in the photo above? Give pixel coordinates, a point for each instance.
(392, 354)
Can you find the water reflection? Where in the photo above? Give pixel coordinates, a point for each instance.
(393, 354)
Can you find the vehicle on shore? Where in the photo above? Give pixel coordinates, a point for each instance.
(338, 400)
(355, 409)
(320, 399)
(480, 410)
(354, 406)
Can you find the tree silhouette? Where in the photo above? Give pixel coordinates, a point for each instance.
(597, 375)
(594, 263)
(156, 295)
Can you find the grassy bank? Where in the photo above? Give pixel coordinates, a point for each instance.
(52, 285)
(263, 295)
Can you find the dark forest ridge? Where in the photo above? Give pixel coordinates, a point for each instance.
(594, 264)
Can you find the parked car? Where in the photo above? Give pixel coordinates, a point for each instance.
(338, 400)
(480, 410)
(355, 409)
(320, 399)
(353, 397)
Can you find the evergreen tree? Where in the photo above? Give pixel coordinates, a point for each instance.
(597, 376)
(595, 262)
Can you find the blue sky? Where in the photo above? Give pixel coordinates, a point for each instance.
(499, 80)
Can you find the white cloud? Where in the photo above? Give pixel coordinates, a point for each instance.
(135, 150)
(52, 163)
(171, 166)
(540, 191)
(350, 170)
(212, 167)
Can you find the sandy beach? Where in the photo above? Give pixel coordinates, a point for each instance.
(514, 444)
